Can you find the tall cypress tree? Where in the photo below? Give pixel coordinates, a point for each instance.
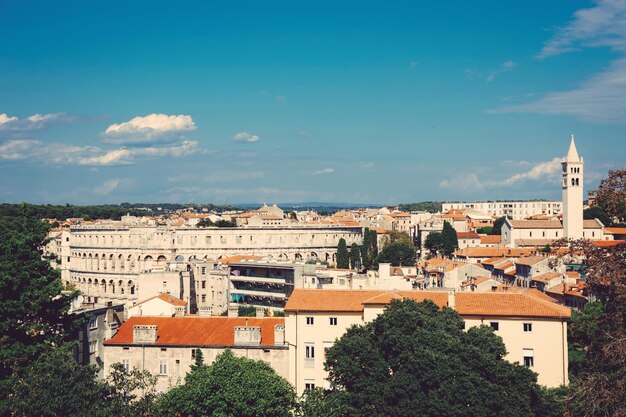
(450, 240)
(369, 249)
(355, 256)
(343, 257)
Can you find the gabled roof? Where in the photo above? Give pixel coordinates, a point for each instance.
(168, 298)
(535, 224)
(592, 224)
(530, 260)
(615, 230)
(545, 278)
(196, 331)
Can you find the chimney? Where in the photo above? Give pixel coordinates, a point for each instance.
(233, 311)
(144, 334)
(179, 311)
(260, 312)
(451, 301)
(247, 336)
(279, 335)
(205, 311)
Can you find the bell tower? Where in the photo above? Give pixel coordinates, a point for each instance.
(572, 193)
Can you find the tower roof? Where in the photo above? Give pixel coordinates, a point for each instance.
(572, 154)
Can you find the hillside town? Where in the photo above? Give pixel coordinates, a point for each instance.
(159, 289)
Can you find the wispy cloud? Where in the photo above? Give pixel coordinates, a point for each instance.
(246, 137)
(107, 187)
(602, 97)
(504, 67)
(547, 171)
(31, 123)
(324, 171)
(37, 151)
(150, 128)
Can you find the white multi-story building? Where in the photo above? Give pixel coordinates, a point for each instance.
(516, 209)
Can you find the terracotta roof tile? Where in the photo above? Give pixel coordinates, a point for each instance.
(615, 230)
(168, 298)
(536, 224)
(474, 252)
(608, 243)
(530, 260)
(473, 304)
(467, 235)
(490, 239)
(196, 331)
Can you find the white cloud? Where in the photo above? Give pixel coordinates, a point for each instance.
(602, 97)
(107, 187)
(150, 128)
(30, 123)
(61, 154)
(324, 171)
(281, 99)
(246, 137)
(367, 166)
(543, 171)
(601, 26)
(504, 67)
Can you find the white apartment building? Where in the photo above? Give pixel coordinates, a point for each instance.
(534, 330)
(516, 209)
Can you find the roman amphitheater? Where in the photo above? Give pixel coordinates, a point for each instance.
(105, 260)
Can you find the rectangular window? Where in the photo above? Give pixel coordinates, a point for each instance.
(310, 321)
(126, 365)
(529, 357)
(207, 240)
(93, 346)
(309, 385)
(163, 367)
(193, 354)
(204, 270)
(528, 327)
(203, 284)
(495, 325)
(333, 321)
(309, 351)
(204, 298)
(93, 322)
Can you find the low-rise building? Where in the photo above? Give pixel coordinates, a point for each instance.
(534, 330)
(167, 346)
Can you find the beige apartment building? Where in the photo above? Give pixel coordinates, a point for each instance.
(167, 346)
(534, 330)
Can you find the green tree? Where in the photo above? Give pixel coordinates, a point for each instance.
(343, 257)
(32, 309)
(599, 388)
(485, 230)
(581, 332)
(597, 213)
(205, 223)
(355, 256)
(397, 254)
(415, 359)
(450, 240)
(395, 236)
(226, 223)
(434, 243)
(55, 385)
(611, 194)
(369, 249)
(231, 386)
(497, 226)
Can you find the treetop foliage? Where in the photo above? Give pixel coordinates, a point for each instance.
(416, 358)
(429, 206)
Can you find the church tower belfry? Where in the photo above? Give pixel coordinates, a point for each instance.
(572, 193)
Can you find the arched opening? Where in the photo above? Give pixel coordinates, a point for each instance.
(147, 262)
(180, 258)
(161, 260)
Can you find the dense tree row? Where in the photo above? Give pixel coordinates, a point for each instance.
(67, 211)
(429, 206)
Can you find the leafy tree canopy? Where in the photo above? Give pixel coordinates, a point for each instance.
(429, 206)
(395, 236)
(611, 194)
(415, 359)
(397, 254)
(450, 240)
(497, 226)
(231, 386)
(597, 213)
(434, 243)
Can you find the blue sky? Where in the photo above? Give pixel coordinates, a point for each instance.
(361, 102)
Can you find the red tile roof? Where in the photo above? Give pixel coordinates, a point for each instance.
(168, 298)
(490, 239)
(196, 331)
(467, 235)
(608, 243)
(615, 230)
(473, 304)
